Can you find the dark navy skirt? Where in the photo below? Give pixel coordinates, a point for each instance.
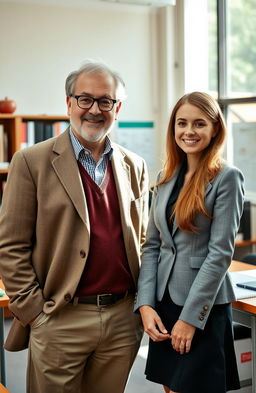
(209, 367)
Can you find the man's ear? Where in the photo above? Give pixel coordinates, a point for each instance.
(118, 107)
(68, 101)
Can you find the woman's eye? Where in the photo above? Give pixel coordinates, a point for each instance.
(200, 124)
(181, 123)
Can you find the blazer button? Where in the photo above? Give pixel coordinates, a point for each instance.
(82, 254)
(201, 318)
(205, 308)
(67, 297)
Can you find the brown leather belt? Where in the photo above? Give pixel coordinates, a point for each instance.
(105, 299)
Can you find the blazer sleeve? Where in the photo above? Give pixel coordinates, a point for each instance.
(17, 225)
(150, 254)
(227, 211)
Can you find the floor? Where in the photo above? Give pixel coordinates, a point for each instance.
(16, 371)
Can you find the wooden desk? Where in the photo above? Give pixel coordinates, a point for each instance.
(3, 389)
(3, 303)
(244, 313)
(244, 243)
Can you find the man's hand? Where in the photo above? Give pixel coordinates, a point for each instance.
(182, 334)
(32, 320)
(153, 325)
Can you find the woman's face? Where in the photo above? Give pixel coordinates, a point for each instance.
(193, 129)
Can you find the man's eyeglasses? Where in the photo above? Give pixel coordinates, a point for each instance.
(105, 104)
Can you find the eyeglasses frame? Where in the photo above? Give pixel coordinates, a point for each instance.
(94, 99)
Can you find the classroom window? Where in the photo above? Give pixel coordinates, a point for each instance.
(237, 82)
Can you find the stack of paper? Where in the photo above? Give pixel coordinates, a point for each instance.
(242, 277)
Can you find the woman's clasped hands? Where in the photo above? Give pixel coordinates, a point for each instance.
(181, 335)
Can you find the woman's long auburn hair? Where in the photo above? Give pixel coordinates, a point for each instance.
(190, 201)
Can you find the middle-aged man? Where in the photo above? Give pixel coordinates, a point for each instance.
(72, 224)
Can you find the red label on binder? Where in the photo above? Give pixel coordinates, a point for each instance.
(246, 357)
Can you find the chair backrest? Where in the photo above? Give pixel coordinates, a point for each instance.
(249, 258)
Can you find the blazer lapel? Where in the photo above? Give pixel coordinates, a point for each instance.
(66, 168)
(122, 177)
(208, 188)
(175, 226)
(165, 191)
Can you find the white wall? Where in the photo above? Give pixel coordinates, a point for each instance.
(41, 44)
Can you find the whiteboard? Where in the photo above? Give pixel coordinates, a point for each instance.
(244, 147)
(139, 137)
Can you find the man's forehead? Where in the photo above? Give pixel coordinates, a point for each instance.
(96, 76)
(95, 80)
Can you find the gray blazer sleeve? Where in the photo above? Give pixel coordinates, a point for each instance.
(147, 282)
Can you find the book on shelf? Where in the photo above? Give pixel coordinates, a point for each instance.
(3, 148)
(23, 137)
(39, 131)
(34, 131)
(31, 132)
(48, 130)
(56, 128)
(64, 125)
(3, 185)
(27, 134)
(59, 127)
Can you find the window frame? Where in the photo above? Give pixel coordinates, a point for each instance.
(222, 68)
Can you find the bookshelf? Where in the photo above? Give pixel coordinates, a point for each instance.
(14, 128)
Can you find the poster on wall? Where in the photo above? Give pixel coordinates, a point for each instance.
(138, 137)
(244, 143)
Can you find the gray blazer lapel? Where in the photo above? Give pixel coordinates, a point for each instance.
(66, 168)
(175, 226)
(165, 191)
(208, 188)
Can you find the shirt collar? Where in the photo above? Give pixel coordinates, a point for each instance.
(78, 147)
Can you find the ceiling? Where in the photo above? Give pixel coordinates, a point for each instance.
(105, 4)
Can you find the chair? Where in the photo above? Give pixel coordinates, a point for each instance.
(249, 258)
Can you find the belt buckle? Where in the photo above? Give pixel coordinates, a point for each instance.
(99, 299)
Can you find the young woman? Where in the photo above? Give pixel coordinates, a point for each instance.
(184, 290)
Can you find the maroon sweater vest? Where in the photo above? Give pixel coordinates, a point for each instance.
(106, 269)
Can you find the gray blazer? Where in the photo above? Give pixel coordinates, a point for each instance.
(193, 265)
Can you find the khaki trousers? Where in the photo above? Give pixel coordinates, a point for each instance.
(84, 349)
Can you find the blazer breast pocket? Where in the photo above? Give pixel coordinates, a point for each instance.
(196, 262)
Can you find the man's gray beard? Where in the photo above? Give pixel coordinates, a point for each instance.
(97, 137)
(94, 138)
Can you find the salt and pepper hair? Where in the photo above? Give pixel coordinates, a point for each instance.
(92, 67)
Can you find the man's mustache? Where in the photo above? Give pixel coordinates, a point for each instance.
(89, 116)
